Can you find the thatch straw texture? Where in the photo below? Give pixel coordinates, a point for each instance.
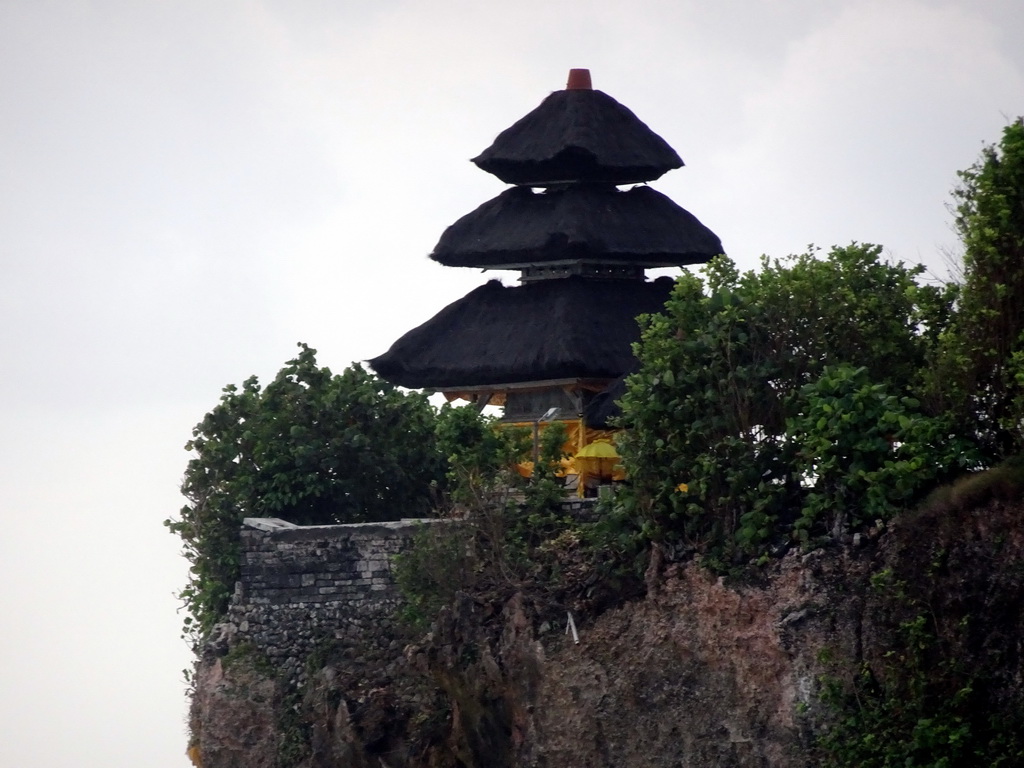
(639, 227)
(552, 329)
(578, 135)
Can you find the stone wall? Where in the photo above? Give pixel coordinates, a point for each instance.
(306, 586)
(302, 586)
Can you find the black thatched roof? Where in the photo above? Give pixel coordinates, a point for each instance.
(552, 329)
(578, 135)
(605, 405)
(639, 227)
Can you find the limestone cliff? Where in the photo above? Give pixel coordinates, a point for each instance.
(697, 671)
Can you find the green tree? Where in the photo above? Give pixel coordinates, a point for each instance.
(724, 445)
(312, 447)
(479, 455)
(507, 531)
(981, 367)
(862, 452)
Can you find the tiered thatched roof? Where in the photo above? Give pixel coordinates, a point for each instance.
(578, 135)
(638, 227)
(553, 329)
(582, 246)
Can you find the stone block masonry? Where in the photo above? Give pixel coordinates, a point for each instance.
(305, 586)
(302, 586)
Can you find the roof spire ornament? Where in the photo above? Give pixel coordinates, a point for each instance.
(579, 80)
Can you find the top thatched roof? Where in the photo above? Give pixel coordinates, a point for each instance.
(552, 329)
(594, 223)
(578, 135)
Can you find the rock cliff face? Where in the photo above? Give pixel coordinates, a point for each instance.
(696, 672)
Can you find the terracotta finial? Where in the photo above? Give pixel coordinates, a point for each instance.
(579, 80)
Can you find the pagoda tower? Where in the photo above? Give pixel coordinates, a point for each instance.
(581, 227)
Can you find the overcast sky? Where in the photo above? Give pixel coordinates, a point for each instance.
(188, 189)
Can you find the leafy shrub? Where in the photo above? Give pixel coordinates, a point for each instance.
(863, 454)
(478, 456)
(312, 447)
(779, 404)
(979, 370)
(504, 532)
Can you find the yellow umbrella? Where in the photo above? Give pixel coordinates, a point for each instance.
(599, 458)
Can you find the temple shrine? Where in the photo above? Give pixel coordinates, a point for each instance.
(581, 226)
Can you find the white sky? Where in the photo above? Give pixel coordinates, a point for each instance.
(187, 189)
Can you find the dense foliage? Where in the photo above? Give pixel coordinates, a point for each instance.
(818, 395)
(779, 405)
(312, 447)
(981, 368)
(478, 456)
(502, 524)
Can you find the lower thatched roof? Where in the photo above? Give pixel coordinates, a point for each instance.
(552, 329)
(639, 227)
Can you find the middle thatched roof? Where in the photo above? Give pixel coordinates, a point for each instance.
(578, 135)
(594, 223)
(553, 329)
